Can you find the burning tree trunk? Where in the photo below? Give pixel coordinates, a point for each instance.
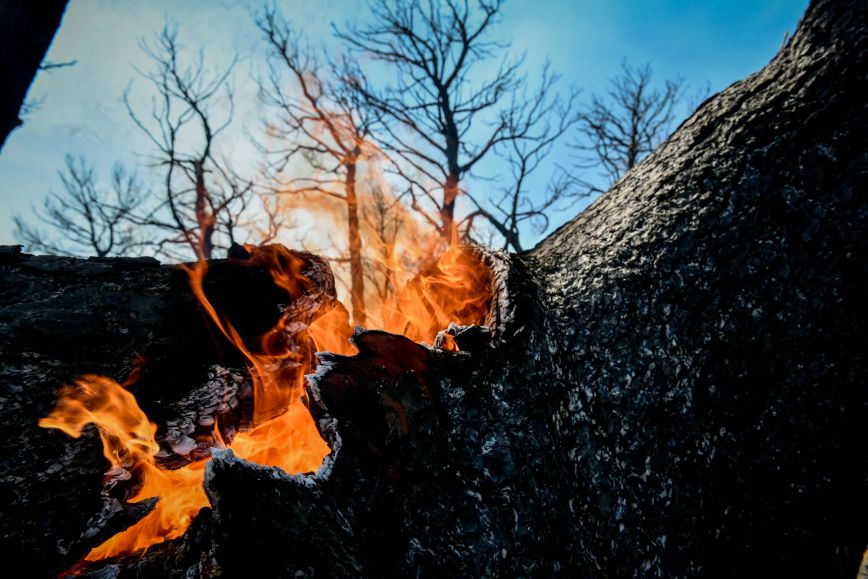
(126, 319)
(672, 384)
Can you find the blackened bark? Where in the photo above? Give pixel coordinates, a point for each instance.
(26, 32)
(62, 317)
(670, 385)
(709, 320)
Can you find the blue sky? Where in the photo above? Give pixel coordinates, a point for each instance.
(713, 43)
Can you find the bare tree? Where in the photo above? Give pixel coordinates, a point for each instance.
(618, 129)
(324, 123)
(85, 218)
(203, 199)
(515, 206)
(442, 114)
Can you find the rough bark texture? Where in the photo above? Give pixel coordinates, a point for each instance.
(670, 385)
(709, 322)
(26, 32)
(62, 317)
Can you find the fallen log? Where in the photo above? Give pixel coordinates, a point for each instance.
(672, 384)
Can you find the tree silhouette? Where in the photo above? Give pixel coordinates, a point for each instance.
(84, 218)
(322, 122)
(442, 114)
(202, 200)
(619, 128)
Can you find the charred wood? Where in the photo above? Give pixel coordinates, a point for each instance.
(126, 319)
(670, 385)
(26, 32)
(707, 318)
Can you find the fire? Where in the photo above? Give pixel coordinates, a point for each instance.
(331, 332)
(284, 434)
(416, 283)
(129, 444)
(413, 294)
(455, 289)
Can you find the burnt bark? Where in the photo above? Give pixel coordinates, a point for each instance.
(26, 32)
(670, 385)
(710, 321)
(63, 317)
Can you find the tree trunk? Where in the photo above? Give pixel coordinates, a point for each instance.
(447, 212)
(26, 32)
(118, 317)
(670, 385)
(709, 318)
(205, 219)
(357, 272)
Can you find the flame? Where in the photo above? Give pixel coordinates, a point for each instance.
(415, 286)
(128, 443)
(284, 434)
(416, 283)
(276, 370)
(331, 332)
(457, 288)
(449, 343)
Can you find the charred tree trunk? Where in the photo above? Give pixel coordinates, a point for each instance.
(26, 32)
(118, 317)
(670, 385)
(708, 317)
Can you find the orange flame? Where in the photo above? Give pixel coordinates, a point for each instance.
(411, 291)
(414, 285)
(284, 434)
(331, 332)
(128, 443)
(456, 289)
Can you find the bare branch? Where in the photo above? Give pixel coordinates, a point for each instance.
(440, 116)
(535, 122)
(620, 128)
(203, 200)
(326, 127)
(85, 219)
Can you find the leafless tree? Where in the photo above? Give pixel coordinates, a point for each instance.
(619, 128)
(84, 218)
(514, 205)
(323, 122)
(203, 200)
(442, 114)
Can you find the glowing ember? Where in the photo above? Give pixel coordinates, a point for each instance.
(456, 288)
